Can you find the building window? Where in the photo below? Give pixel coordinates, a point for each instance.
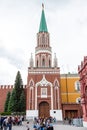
(43, 63)
(37, 63)
(77, 86)
(43, 92)
(43, 40)
(49, 63)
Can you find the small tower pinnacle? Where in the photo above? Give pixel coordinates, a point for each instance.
(55, 60)
(31, 61)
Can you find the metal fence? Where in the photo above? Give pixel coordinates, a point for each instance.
(77, 122)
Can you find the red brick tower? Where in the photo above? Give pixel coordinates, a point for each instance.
(43, 81)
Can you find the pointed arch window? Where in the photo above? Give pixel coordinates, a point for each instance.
(43, 39)
(43, 62)
(31, 83)
(37, 63)
(49, 63)
(31, 99)
(56, 84)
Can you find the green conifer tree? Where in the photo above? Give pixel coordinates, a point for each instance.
(7, 102)
(18, 86)
(13, 102)
(22, 102)
(17, 97)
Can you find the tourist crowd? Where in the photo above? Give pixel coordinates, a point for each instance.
(7, 122)
(43, 123)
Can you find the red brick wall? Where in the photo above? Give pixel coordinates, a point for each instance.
(3, 94)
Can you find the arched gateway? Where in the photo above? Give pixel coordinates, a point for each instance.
(43, 81)
(44, 109)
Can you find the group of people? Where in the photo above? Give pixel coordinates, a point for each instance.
(38, 124)
(42, 124)
(8, 121)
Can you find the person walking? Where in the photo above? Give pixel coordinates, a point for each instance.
(5, 122)
(28, 128)
(9, 124)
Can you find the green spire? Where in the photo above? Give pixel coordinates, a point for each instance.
(43, 26)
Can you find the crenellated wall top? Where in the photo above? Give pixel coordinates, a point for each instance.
(10, 86)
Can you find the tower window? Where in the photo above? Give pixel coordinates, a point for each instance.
(43, 62)
(37, 63)
(49, 63)
(43, 39)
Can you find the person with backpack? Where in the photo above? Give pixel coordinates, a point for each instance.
(5, 122)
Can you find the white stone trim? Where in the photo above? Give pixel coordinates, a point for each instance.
(57, 114)
(35, 98)
(30, 114)
(44, 82)
(43, 51)
(85, 124)
(58, 99)
(51, 97)
(32, 98)
(43, 72)
(29, 98)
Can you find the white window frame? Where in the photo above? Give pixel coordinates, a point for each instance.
(43, 92)
(77, 86)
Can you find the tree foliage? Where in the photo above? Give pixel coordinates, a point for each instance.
(17, 101)
(22, 102)
(7, 102)
(18, 85)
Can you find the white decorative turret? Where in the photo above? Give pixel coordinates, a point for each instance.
(55, 60)
(31, 61)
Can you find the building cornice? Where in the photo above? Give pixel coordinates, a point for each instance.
(43, 51)
(44, 71)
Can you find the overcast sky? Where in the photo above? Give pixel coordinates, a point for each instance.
(19, 25)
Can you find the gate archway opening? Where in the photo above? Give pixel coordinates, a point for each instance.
(44, 109)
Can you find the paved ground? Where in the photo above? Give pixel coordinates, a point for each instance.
(58, 126)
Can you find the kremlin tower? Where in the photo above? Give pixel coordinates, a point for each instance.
(43, 80)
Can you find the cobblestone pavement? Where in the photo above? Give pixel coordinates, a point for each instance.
(57, 126)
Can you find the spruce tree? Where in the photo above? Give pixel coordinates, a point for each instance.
(22, 102)
(17, 101)
(13, 102)
(18, 86)
(7, 102)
